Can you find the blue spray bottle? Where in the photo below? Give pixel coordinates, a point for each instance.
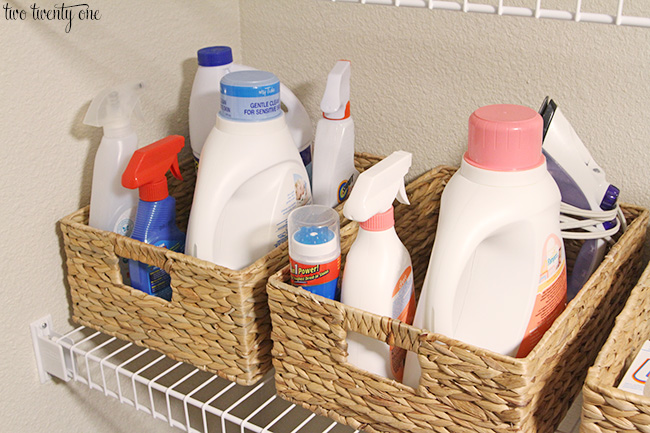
(155, 220)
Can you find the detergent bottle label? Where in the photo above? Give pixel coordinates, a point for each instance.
(159, 279)
(124, 222)
(404, 310)
(344, 188)
(551, 294)
(320, 279)
(297, 196)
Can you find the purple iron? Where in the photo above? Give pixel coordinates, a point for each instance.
(585, 194)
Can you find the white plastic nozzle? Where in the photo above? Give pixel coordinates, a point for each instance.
(112, 108)
(376, 188)
(337, 92)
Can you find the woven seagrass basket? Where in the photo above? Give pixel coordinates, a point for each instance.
(463, 388)
(217, 319)
(606, 408)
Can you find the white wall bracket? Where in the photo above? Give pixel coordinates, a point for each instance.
(51, 359)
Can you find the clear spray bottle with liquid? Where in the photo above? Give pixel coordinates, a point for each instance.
(113, 207)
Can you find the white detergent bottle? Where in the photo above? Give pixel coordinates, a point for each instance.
(333, 164)
(378, 275)
(497, 274)
(205, 100)
(250, 176)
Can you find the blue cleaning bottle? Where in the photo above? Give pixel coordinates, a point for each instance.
(155, 219)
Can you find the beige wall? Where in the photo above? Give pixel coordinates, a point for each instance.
(47, 81)
(417, 76)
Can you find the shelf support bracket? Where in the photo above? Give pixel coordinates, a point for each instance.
(51, 359)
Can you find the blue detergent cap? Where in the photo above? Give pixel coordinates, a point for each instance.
(214, 56)
(313, 235)
(250, 96)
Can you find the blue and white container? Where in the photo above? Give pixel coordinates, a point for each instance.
(315, 250)
(214, 62)
(250, 176)
(250, 96)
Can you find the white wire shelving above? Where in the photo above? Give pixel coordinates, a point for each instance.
(172, 392)
(579, 12)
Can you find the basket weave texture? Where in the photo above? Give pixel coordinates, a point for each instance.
(606, 408)
(217, 319)
(463, 388)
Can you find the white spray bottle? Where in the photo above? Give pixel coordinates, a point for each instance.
(205, 100)
(113, 207)
(378, 275)
(333, 164)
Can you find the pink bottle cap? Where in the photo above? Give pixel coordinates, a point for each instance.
(380, 222)
(505, 138)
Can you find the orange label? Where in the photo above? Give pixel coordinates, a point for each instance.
(551, 295)
(404, 310)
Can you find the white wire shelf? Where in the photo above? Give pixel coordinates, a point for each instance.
(536, 8)
(172, 392)
(179, 394)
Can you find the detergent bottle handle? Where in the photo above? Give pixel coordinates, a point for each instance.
(446, 270)
(237, 171)
(296, 115)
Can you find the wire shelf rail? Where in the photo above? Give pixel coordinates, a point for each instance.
(535, 9)
(172, 392)
(179, 394)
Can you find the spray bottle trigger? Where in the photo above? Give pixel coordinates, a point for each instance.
(176, 170)
(334, 104)
(401, 195)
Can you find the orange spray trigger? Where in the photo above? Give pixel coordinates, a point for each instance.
(148, 167)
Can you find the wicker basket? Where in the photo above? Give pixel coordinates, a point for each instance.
(217, 320)
(606, 408)
(463, 388)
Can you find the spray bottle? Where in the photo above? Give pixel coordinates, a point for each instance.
(112, 207)
(214, 63)
(155, 221)
(333, 165)
(378, 275)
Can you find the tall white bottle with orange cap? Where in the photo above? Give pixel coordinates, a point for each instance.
(497, 273)
(378, 275)
(333, 171)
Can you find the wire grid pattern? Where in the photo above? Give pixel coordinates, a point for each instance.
(190, 399)
(179, 394)
(566, 10)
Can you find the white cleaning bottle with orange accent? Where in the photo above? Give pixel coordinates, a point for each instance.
(497, 273)
(378, 275)
(333, 163)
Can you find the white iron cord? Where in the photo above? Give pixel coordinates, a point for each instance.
(576, 223)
